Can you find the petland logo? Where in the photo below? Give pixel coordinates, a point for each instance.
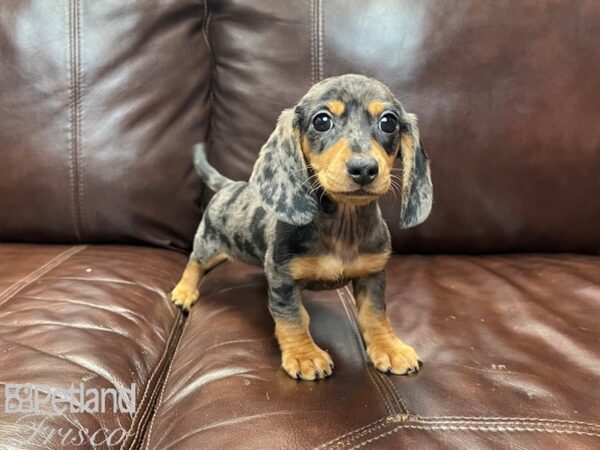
(34, 400)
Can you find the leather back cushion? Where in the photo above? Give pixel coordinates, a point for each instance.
(100, 104)
(507, 95)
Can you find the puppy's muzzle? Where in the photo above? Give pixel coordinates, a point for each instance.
(362, 170)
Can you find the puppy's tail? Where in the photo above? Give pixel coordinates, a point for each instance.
(208, 173)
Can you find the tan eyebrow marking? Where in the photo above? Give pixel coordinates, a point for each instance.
(375, 108)
(336, 107)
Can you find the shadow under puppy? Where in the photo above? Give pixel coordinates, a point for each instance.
(309, 216)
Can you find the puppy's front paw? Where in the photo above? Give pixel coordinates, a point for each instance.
(184, 297)
(307, 362)
(391, 355)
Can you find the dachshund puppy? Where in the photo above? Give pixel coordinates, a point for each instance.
(309, 216)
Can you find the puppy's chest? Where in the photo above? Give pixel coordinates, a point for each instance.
(332, 267)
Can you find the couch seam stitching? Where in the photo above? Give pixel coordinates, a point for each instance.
(70, 138)
(211, 97)
(163, 388)
(485, 429)
(312, 42)
(79, 119)
(506, 419)
(384, 379)
(320, 24)
(356, 335)
(483, 423)
(351, 432)
(140, 412)
(26, 281)
(74, 99)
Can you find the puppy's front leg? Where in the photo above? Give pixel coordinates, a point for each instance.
(385, 350)
(301, 358)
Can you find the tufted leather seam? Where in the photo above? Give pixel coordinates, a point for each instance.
(76, 174)
(320, 24)
(163, 388)
(356, 333)
(384, 378)
(506, 419)
(39, 272)
(454, 423)
(316, 41)
(211, 97)
(313, 52)
(369, 426)
(154, 385)
(487, 429)
(72, 179)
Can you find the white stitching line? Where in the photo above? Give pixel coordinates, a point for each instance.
(78, 118)
(70, 140)
(491, 424)
(312, 42)
(362, 351)
(11, 291)
(389, 421)
(320, 36)
(349, 433)
(471, 428)
(504, 419)
(140, 411)
(164, 386)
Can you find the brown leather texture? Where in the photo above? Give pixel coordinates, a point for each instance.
(510, 346)
(101, 103)
(71, 315)
(507, 96)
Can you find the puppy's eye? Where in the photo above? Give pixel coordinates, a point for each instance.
(322, 122)
(388, 123)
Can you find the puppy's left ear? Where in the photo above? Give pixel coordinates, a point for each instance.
(280, 175)
(417, 190)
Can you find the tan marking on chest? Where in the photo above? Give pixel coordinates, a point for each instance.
(332, 267)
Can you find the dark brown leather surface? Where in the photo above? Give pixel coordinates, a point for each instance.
(92, 315)
(510, 345)
(507, 96)
(100, 104)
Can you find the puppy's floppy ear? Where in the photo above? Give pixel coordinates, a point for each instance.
(417, 190)
(280, 174)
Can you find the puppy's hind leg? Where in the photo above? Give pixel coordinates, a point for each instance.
(186, 292)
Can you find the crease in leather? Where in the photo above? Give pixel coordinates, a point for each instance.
(402, 409)
(384, 380)
(458, 423)
(392, 404)
(211, 55)
(57, 260)
(147, 407)
(62, 358)
(163, 387)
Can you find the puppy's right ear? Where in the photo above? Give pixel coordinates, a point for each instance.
(280, 174)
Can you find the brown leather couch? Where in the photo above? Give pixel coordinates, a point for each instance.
(499, 291)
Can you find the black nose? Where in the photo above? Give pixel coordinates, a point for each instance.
(362, 170)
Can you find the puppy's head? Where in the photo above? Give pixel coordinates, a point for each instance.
(343, 137)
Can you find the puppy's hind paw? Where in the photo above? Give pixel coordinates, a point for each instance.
(184, 297)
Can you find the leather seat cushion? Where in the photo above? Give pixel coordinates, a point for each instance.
(508, 344)
(96, 315)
